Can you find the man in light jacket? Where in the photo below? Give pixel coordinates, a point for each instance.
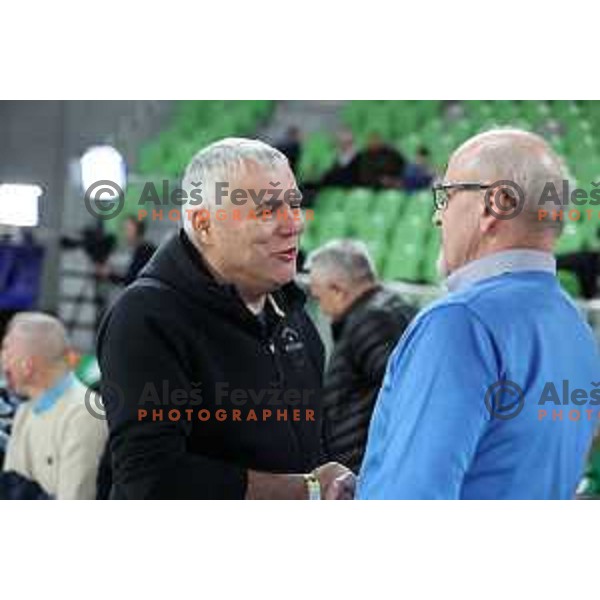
(55, 441)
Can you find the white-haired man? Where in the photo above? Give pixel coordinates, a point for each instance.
(211, 369)
(367, 320)
(466, 406)
(55, 442)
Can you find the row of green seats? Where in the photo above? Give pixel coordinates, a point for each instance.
(410, 124)
(442, 135)
(396, 227)
(196, 124)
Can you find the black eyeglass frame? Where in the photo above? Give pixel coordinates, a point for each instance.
(440, 204)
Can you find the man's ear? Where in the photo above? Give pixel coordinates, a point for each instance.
(201, 224)
(487, 220)
(500, 201)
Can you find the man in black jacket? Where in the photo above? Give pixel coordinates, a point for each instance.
(211, 369)
(367, 322)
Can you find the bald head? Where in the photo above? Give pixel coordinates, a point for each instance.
(40, 335)
(518, 156)
(503, 140)
(517, 167)
(34, 351)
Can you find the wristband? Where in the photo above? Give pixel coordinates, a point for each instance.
(313, 486)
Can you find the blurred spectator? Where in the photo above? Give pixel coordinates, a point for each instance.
(377, 162)
(142, 251)
(419, 174)
(585, 265)
(291, 146)
(416, 176)
(344, 173)
(55, 443)
(7, 412)
(367, 322)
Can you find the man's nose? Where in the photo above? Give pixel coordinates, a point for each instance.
(290, 221)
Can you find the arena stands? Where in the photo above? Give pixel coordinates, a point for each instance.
(397, 225)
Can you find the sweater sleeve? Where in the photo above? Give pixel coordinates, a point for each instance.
(431, 411)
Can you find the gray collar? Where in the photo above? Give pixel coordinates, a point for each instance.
(509, 261)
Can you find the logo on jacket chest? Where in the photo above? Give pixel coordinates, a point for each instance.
(290, 340)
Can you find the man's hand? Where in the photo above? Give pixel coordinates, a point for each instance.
(337, 482)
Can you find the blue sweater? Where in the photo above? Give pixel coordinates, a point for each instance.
(433, 435)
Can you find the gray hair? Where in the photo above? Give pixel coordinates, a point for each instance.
(225, 161)
(524, 158)
(43, 335)
(348, 260)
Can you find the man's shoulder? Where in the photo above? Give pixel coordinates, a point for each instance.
(491, 302)
(144, 297)
(81, 409)
(383, 306)
(389, 301)
(450, 313)
(145, 288)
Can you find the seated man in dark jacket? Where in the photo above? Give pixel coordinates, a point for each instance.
(367, 322)
(211, 369)
(378, 162)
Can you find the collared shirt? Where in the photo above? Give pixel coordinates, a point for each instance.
(52, 395)
(508, 261)
(508, 333)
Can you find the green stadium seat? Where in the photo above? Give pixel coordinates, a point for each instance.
(195, 124)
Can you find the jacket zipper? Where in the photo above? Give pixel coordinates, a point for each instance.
(272, 350)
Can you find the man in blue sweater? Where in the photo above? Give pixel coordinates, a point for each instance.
(488, 393)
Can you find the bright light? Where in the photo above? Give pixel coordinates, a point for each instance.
(19, 204)
(101, 163)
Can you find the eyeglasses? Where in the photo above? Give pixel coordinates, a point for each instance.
(441, 195)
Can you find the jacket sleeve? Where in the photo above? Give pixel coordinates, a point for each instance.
(139, 348)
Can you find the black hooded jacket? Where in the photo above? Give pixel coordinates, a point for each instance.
(179, 341)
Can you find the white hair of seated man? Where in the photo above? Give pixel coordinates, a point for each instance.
(347, 260)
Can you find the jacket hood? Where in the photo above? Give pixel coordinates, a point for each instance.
(179, 265)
